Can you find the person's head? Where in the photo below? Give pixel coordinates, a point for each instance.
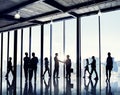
(109, 53)
(93, 57)
(46, 58)
(33, 54)
(87, 60)
(26, 53)
(56, 54)
(10, 58)
(68, 56)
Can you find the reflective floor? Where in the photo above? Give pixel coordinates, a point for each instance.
(62, 86)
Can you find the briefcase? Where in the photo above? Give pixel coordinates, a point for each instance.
(71, 70)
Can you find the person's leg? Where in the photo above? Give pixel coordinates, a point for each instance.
(49, 72)
(57, 72)
(7, 73)
(96, 74)
(54, 73)
(26, 74)
(91, 73)
(44, 72)
(109, 74)
(30, 74)
(69, 73)
(35, 74)
(84, 73)
(106, 74)
(88, 71)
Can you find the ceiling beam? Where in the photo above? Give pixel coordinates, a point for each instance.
(18, 6)
(58, 19)
(56, 5)
(85, 4)
(59, 7)
(43, 15)
(17, 27)
(102, 10)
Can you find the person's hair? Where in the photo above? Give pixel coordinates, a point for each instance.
(56, 54)
(33, 53)
(10, 58)
(109, 53)
(93, 57)
(46, 58)
(68, 56)
(26, 53)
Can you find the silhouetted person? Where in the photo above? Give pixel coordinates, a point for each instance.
(26, 66)
(86, 68)
(46, 67)
(9, 67)
(93, 68)
(56, 66)
(108, 89)
(10, 87)
(33, 66)
(109, 66)
(68, 67)
(47, 86)
(56, 86)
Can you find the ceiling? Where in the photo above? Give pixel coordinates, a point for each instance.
(34, 12)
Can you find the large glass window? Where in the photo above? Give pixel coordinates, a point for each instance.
(0, 61)
(18, 60)
(35, 47)
(4, 68)
(11, 43)
(110, 31)
(46, 46)
(25, 49)
(57, 47)
(70, 48)
(89, 46)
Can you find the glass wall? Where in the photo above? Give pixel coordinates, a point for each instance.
(46, 53)
(70, 49)
(46, 46)
(57, 47)
(19, 61)
(4, 68)
(35, 47)
(89, 46)
(110, 43)
(25, 49)
(0, 62)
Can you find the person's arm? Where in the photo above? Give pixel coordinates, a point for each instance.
(61, 61)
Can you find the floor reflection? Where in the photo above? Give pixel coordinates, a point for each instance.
(56, 86)
(10, 87)
(108, 89)
(62, 86)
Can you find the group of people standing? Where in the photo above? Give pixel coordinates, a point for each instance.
(67, 62)
(109, 66)
(30, 66)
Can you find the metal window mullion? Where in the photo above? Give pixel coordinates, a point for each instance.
(1, 61)
(21, 61)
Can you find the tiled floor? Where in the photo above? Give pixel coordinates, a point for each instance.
(62, 86)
